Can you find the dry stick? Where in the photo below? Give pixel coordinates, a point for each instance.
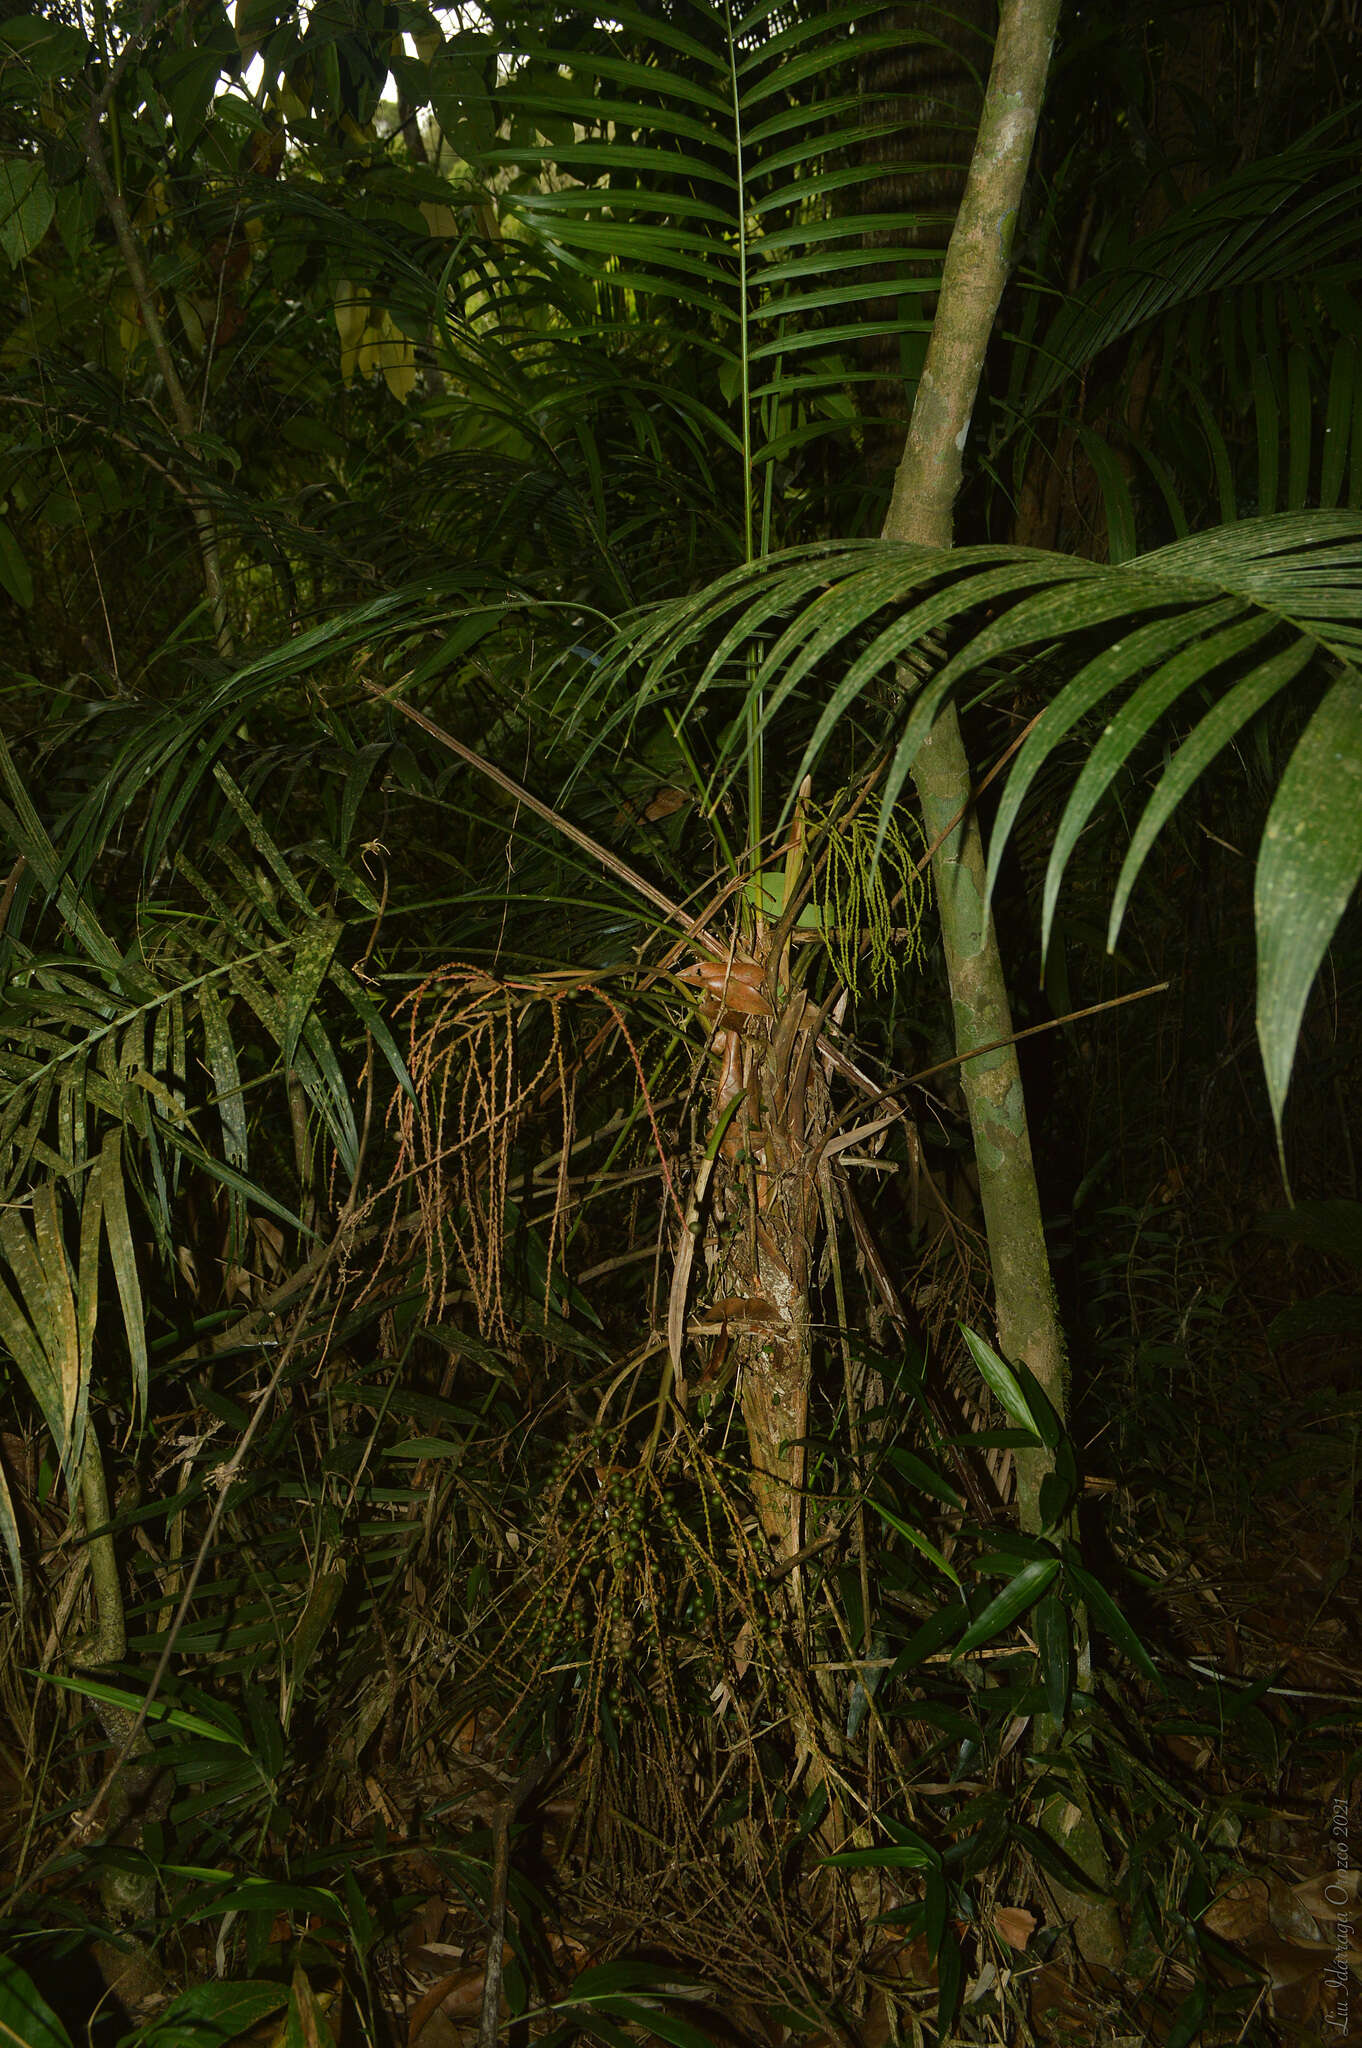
(204, 524)
(515, 1796)
(975, 1052)
(611, 862)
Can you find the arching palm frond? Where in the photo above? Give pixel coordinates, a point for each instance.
(1270, 221)
(1209, 369)
(709, 181)
(1243, 612)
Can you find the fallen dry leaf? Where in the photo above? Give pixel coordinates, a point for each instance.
(1240, 1914)
(457, 1996)
(1015, 1925)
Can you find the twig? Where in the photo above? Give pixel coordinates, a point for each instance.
(515, 1796)
(611, 862)
(975, 1052)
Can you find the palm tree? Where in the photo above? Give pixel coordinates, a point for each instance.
(652, 413)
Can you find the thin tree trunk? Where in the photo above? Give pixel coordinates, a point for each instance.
(922, 513)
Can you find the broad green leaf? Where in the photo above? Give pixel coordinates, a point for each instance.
(1236, 232)
(1299, 427)
(1125, 659)
(312, 954)
(889, 1856)
(42, 1315)
(922, 1475)
(26, 207)
(188, 78)
(1216, 447)
(9, 1538)
(15, 575)
(319, 1070)
(1334, 1227)
(262, 839)
(1116, 499)
(365, 1009)
(123, 1258)
(1338, 420)
(323, 1599)
(714, 183)
(26, 2019)
(1209, 738)
(649, 2018)
(45, 47)
(307, 2025)
(1308, 867)
(1003, 1382)
(214, 2014)
(357, 780)
(87, 1288)
(1150, 702)
(950, 1980)
(595, 2026)
(1016, 1596)
(270, 1895)
(55, 1320)
(919, 1542)
(1328, 1315)
(132, 1702)
(1267, 417)
(609, 1980)
(925, 1641)
(247, 1191)
(17, 1337)
(347, 877)
(1051, 1858)
(1103, 1610)
(220, 1051)
(1190, 2018)
(29, 836)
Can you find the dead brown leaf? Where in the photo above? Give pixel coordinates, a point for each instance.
(1015, 1925)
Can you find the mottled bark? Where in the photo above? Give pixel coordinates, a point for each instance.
(764, 1227)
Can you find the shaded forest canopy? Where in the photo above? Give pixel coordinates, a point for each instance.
(681, 773)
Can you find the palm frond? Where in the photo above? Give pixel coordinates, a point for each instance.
(713, 180)
(1240, 613)
(1269, 221)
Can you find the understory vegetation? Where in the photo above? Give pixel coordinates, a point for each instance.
(680, 1228)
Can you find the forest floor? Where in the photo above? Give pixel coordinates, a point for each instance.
(1228, 1524)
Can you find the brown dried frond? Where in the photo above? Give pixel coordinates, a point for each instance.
(455, 1135)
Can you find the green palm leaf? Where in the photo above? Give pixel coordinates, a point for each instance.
(1241, 612)
(718, 181)
(1264, 223)
(1308, 868)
